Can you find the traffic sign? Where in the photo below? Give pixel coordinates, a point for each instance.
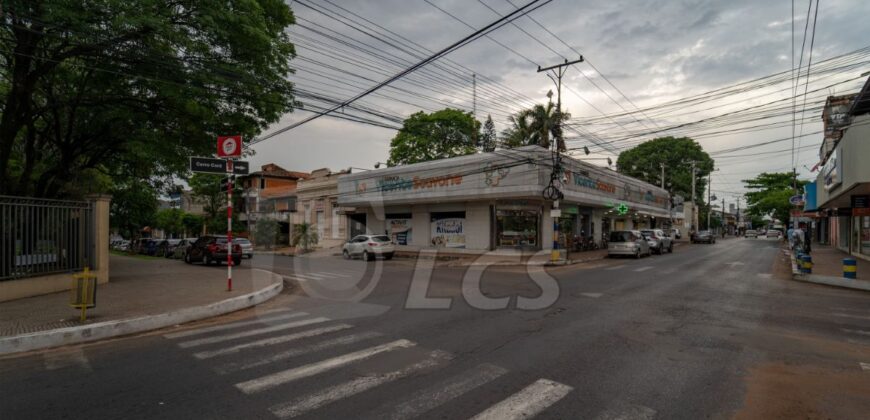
(218, 166)
(229, 146)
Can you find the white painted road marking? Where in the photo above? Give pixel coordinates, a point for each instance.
(60, 359)
(627, 412)
(333, 274)
(865, 366)
(228, 337)
(438, 394)
(353, 387)
(763, 275)
(592, 295)
(527, 403)
(732, 264)
(643, 268)
(289, 375)
(855, 331)
(615, 267)
(234, 325)
(850, 316)
(271, 341)
(323, 345)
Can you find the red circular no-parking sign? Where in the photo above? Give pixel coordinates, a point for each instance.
(229, 146)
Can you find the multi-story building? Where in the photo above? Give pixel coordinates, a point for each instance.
(269, 193)
(317, 204)
(842, 188)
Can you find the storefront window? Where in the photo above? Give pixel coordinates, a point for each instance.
(865, 235)
(399, 228)
(448, 229)
(517, 228)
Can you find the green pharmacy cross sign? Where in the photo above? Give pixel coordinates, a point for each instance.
(620, 208)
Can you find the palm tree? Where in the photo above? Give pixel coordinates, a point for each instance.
(304, 236)
(535, 126)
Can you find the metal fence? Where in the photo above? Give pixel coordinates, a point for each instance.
(42, 236)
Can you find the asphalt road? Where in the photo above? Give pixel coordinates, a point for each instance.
(708, 331)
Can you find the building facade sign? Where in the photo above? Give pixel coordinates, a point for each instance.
(448, 232)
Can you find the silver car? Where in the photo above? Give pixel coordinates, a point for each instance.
(247, 247)
(368, 247)
(181, 249)
(627, 242)
(659, 242)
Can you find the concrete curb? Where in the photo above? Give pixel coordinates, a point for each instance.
(108, 329)
(826, 280)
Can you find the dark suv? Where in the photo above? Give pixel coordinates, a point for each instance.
(212, 248)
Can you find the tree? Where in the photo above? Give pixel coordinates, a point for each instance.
(439, 135)
(192, 224)
(207, 189)
(644, 162)
(266, 233)
(171, 221)
(133, 207)
(304, 236)
(488, 137)
(770, 194)
(536, 125)
(132, 88)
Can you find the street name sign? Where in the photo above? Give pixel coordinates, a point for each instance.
(217, 166)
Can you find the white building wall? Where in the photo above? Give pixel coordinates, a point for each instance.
(477, 226)
(375, 224)
(421, 232)
(546, 228)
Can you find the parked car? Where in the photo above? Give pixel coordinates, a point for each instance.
(166, 247)
(212, 248)
(181, 249)
(704, 236)
(247, 247)
(368, 247)
(658, 241)
(773, 233)
(148, 246)
(627, 242)
(751, 233)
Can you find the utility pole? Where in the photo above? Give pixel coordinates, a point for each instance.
(723, 216)
(552, 192)
(663, 174)
(694, 203)
(474, 95)
(709, 200)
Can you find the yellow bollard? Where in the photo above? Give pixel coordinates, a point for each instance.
(84, 293)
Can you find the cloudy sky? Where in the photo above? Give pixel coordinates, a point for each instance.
(641, 57)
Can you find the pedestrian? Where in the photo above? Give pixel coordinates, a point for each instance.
(789, 236)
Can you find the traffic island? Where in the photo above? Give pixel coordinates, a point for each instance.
(143, 295)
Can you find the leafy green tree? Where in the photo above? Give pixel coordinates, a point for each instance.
(207, 189)
(304, 236)
(192, 224)
(133, 207)
(132, 88)
(770, 194)
(441, 134)
(536, 125)
(488, 137)
(266, 233)
(644, 162)
(171, 221)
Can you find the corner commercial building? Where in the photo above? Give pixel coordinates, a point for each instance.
(495, 200)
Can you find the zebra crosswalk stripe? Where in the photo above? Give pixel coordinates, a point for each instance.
(289, 375)
(528, 402)
(294, 352)
(355, 386)
(438, 394)
(260, 320)
(271, 341)
(228, 337)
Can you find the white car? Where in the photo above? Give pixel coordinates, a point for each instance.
(750, 233)
(247, 247)
(659, 243)
(627, 242)
(368, 247)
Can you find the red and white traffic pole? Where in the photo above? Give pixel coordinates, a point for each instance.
(229, 226)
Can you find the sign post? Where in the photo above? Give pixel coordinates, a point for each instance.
(229, 148)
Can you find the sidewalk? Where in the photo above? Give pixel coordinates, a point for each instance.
(828, 261)
(137, 288)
